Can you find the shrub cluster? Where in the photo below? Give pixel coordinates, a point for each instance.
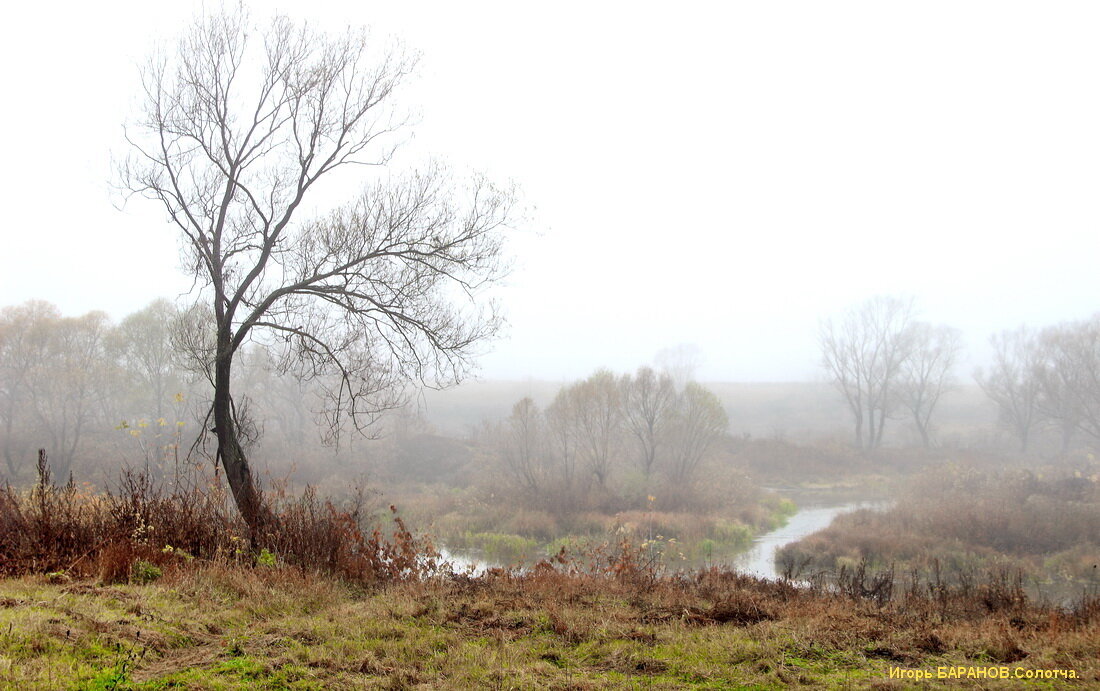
(143, 526)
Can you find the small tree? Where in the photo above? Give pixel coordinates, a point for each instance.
(1012, 382)
(240, 124)
(928, 373)
(142, 343)
(68, 386)
(1068, 376)
(1060, 378)
(698, 423)
(864, 355)
(523, 446)
(562, 422)
(599, 414)
(25, 336)
(680, 362)
(648, 399)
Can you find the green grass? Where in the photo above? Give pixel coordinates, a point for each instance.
(212, 627)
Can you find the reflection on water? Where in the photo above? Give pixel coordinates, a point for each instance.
(464, 563)
(759, 560)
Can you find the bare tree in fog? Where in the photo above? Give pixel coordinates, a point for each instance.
(598, 403)
(24, 344)
(1060, 378)
(239, 125)
(928, 373)
(562, 423)
(143, 344)
(680, 362)
(647, 401)
(68, 387)
(523, 446)
(1012, 381)
(864, 355)
(698, 423)
(1069, 377)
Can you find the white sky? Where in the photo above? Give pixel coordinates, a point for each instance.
(724, 174)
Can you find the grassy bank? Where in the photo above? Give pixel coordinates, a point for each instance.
(154, 589)
(216, 626)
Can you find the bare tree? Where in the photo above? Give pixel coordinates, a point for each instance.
(24, 345)
(1062, 380)
(699, 422)
(1012, 381)
(680, 362)
(928, 373)
(240, 124)
(647, 400)
(523, 446)
(142, 342)
(598, 404)
(864, 355)
(562, 425)
(68, 386)
(1069, 378)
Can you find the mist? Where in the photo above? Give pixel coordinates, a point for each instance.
(719, 176)
(541, 323)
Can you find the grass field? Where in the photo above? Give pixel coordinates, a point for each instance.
(219, 626)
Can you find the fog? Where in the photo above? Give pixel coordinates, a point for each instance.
(611, 332)
(619, 336)
(726, 176)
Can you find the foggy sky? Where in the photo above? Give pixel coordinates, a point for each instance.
(721, 175)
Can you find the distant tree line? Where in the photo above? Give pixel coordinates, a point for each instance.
(1047, 378)
(610, 439)
(888, 365)
(97, 395)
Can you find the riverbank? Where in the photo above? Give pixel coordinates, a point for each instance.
(476, 528)
(955, 523)
(755, 556)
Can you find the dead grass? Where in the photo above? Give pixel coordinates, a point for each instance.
(319, 601)
(141, 529)
(959, 524)
(227, 626)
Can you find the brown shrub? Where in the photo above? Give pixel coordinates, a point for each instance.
(63, 529)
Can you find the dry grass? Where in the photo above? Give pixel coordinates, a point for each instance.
(73, 533)
(319, 601)
(955, 523)
(223, 626)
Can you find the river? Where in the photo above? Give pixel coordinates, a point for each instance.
(815, 512)
(759, 560)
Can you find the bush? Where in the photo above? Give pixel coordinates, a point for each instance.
(144, 572)
(141, 528)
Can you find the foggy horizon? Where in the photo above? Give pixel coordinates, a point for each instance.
(727, 177)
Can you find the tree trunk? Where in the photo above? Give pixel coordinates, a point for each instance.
(233, 460)
(870, 430)
(925, 439)
(1067, 437)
